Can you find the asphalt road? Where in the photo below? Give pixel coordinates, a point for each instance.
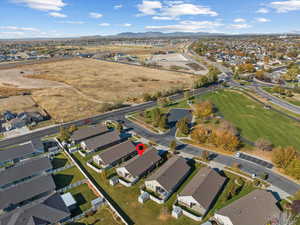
(277, 101)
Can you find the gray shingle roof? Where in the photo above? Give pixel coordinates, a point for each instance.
(140, 164)
(257, 208)
(170, 173)
(28, 168)
(87, 132)
(49, 210)
(102, 140)
(204, 186)
(16, 152)
(26, 190)
(117, 152)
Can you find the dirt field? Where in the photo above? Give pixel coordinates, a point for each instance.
(73, 89)
(18, 104)
(110, 82)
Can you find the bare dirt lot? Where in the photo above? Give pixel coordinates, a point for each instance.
(78, 88)
(18, 104)
(107, 81)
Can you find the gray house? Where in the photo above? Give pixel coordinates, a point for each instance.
(88, 132)
(115, 154)
(168, 177)
(138, 166)
(258, 207)
(28, 169)
(199, 194)
(16, 154)
(101, 142)
(48, 210)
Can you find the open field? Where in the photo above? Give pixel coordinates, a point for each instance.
(18, 104)
(107, 81)
(254, 121)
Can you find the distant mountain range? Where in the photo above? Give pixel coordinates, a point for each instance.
(161, 34)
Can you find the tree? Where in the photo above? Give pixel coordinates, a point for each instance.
(163, 122)
(119, 127)
(187, 95)
(64, 134)
(173, 145)
(183, 126)
(200, 134)
(156, 116)
(205, 155)
(72, 128)
(282, 157)
(286, 218)
(147, 97)
(203, 109)
(293, 168)
(263, 144)
(201, 82)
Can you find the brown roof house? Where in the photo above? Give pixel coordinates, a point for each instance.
(88, 132)
(168, 177)
(115, 155)
(201, 192)
(257, 208)
(101, 142)
(135, 168)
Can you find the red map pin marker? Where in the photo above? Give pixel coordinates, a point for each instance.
(140, 149)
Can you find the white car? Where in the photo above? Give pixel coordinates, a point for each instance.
(253, 175)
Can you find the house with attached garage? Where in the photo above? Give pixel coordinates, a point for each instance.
(101, 142)
(135, 168)
(258, 207)
(114, 155)
(88, 132)
(168, 177)
(201, 192)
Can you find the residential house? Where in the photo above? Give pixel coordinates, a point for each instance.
(48, 210)
(115, 155)
(258, 207)
(17, 153)
(168, 177)
(9, 115)
(138, 166)
(28, 169)
(201, 192)
(31, 117)
(15, 124)
(11, 197)
(101, 142)
(88, 132)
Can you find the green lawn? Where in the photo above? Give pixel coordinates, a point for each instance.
(254, 121)
(83, 196)
(102, 217)
(67, 177)
(127, 198)
(60, 160)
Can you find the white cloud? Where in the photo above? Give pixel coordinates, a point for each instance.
(188, 26)
(104, 24)
(263, 11)
(57, 14)
(240, 26)
(95, 15)
(14, 28)
(118, 6)
(72, 22)
(239, 20)
(286, 6)
(149, 7)
(127, 25)
(262, 20)
(44, 5)
(162, 18)
(173, 9)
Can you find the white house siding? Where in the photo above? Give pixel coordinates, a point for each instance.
(152, 184)
(188, 200)
(224, 220)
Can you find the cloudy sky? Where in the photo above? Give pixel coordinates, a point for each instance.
(69, 18)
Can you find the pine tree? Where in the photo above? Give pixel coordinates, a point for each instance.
(173, 146)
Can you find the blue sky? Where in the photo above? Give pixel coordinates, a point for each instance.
(69, 18)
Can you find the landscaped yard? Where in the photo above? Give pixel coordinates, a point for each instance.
(102, 217)
(83, 196)
(149, 213)
(60, 160)
(253, 120)
(67, 177)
